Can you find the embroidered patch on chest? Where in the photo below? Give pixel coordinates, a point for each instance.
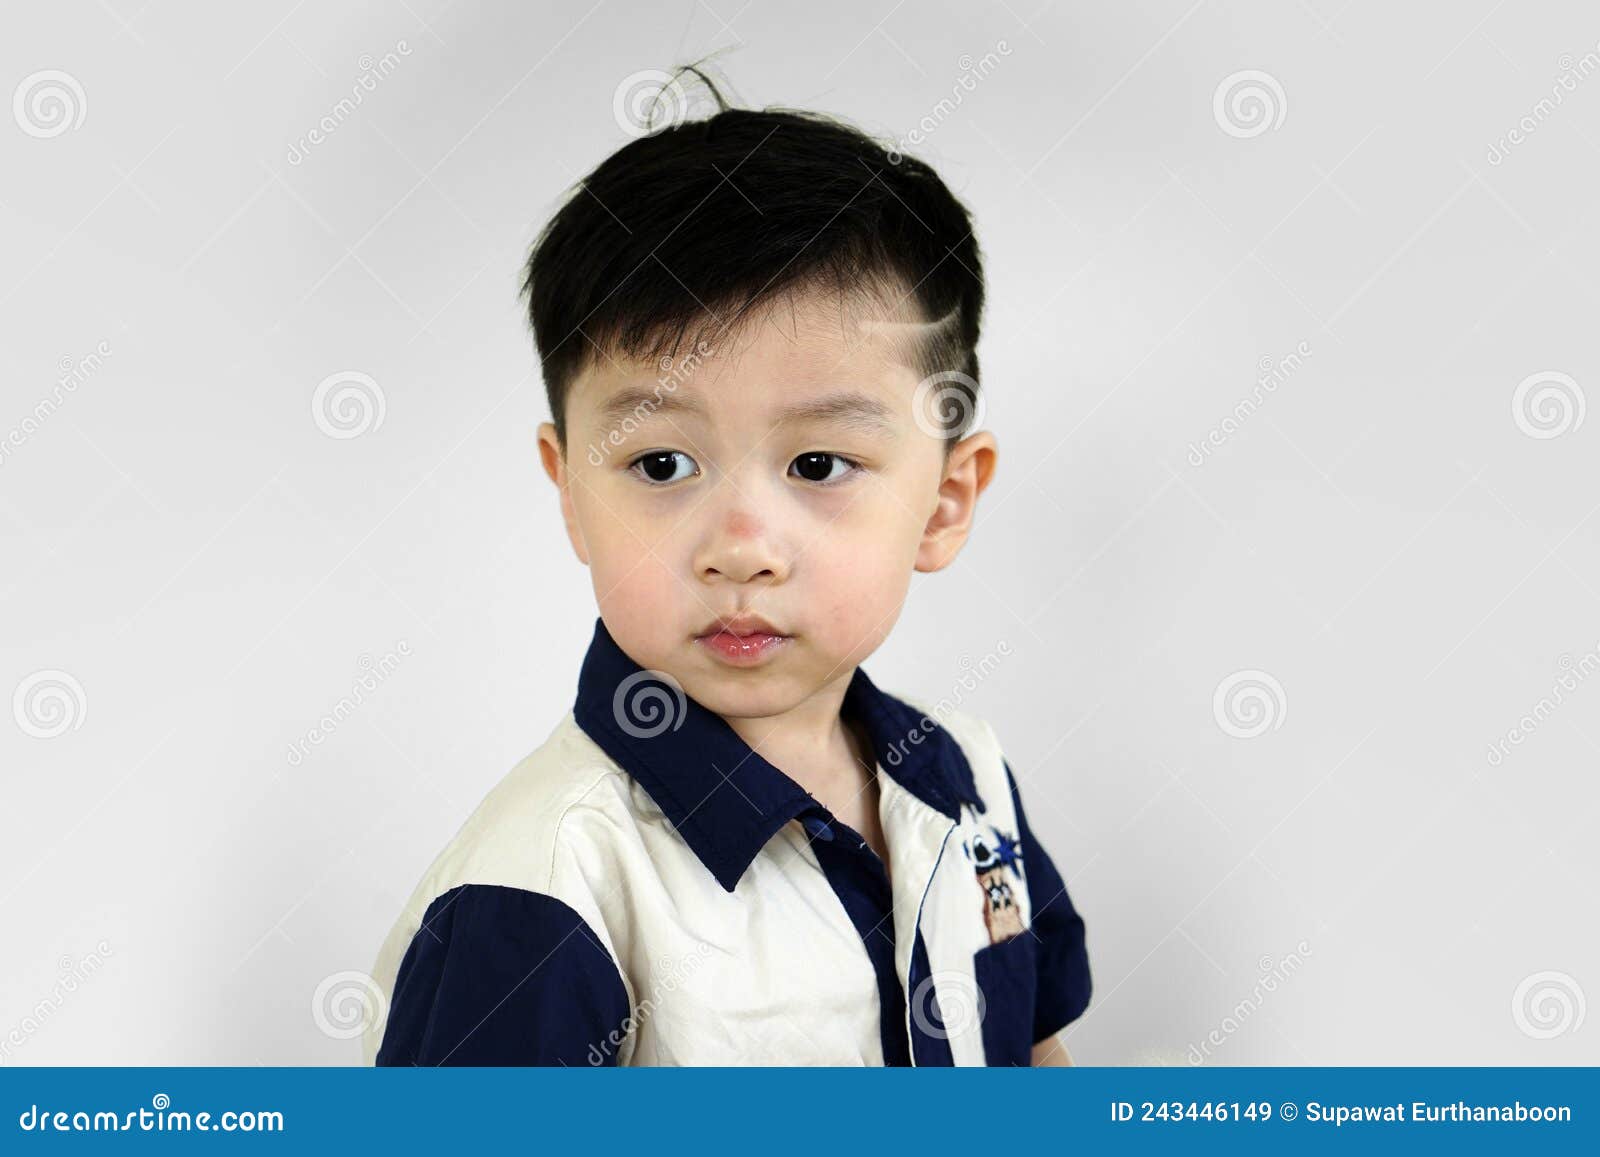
(997, 860)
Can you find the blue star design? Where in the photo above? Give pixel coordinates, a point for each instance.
(1009, 850)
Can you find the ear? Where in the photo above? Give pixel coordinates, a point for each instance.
(555, 465)
(967, 472)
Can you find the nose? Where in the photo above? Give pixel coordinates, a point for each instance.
(738, 544)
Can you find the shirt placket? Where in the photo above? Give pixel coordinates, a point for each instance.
(917, 835)
(861, 881)
(885, 902)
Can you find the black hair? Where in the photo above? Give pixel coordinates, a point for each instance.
(677, 236)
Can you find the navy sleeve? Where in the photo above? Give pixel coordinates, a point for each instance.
(1063, 985)
(504, 976)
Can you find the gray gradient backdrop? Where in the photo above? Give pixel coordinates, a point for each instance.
(1261, 638)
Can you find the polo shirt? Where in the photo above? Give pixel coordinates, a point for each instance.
(646, 889)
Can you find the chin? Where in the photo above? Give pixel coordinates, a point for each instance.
(744, 694)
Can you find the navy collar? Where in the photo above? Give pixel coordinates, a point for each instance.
(725, 800)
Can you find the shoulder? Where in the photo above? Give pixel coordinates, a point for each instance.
(522, 850)
(566, 792)
(494, 963)
(972, 732)
(977, 740)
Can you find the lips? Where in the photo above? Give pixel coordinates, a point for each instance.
(741, 626)
(744, 641)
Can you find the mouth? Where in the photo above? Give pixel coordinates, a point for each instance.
(745, 641)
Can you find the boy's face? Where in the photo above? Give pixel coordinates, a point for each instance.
(781, 476)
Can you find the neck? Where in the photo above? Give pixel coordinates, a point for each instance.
(811, 743)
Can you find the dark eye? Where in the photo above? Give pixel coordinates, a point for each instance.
(821, 467)
(663, 466)
(983, 858)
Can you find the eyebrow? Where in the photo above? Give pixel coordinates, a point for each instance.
(851, 408)
(641, 403)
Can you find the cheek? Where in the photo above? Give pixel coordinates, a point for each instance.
(638, 593)
(643, 601)
(858, 582)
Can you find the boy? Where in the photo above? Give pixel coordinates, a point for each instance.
(757, 334)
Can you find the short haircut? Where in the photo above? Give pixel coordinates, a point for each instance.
(678, 236)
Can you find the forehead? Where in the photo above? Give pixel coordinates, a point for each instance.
(799, 356)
